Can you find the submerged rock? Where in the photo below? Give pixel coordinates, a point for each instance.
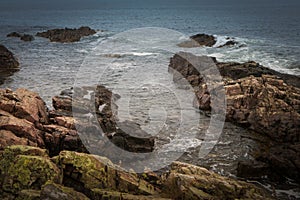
(66, 35)
(8, 63)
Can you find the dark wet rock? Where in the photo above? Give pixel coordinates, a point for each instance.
(66, 35)
(228, 43)
(198, 41)
(132, 138)
(8, 63)
(259, 99)
(27, 38)
(253, 169)
(14, 34)
(23, 37)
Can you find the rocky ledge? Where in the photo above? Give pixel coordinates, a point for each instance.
(67, 35)
(259, 99)
(29, 173)
(8, 63)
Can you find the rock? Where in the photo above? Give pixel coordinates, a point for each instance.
(27, 38)
(191, 182)
(24, 168)
(253, 169)
(24, 37)
(86, 173)
(29, 195)
(28, 173)
(14, 34)
(66, 35)
(228, 43)
(259, 99)
(131, 137)
(22, 114)
(21, 128)
(198, 41)
(8, 63)
(52, 191)
(126, 135)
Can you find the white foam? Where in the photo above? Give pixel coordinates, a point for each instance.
(221, 40)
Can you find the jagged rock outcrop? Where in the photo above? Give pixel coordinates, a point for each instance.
(72, 175)
(8, 63)
(258, 98)
(66, 35)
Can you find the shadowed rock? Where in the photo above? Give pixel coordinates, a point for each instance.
(8, 63)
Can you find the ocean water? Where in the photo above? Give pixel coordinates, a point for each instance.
(122, 57)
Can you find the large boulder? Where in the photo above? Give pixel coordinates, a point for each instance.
(8, 63)
(66, 35)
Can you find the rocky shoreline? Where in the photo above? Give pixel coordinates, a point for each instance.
(48, 166)
(43, 156)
